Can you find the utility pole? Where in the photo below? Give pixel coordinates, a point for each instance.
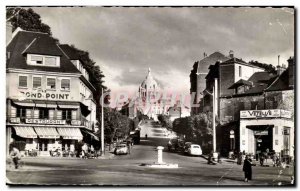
(102, 124)
(214, 121)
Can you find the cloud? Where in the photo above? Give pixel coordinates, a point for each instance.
(126, 41)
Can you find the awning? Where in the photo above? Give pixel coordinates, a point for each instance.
(70, 133)
(25, 103)
(91, 134)
(25, 132)
(47, 132)
(46, 104)
(68, 105)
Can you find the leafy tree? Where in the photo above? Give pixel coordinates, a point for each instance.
(268, 67)
(26, 19)
(165, 121)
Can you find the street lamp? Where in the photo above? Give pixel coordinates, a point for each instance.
(102, 124)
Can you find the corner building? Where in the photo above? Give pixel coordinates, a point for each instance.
(49, 101)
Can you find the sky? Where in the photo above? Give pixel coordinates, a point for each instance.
(125, 42)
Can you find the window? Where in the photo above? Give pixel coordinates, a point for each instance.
(23, 81)
(51, 83)
(36, 82)
(44, 114)
(37, 59)
(50, 61)
(21, 112)
(65, 84)
(240, 71)
(66, 114)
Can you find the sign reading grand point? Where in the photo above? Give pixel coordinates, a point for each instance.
(270, 113)
(46, 95)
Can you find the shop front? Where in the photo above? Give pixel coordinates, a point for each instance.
(267, 131)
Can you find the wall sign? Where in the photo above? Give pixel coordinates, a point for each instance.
(46, 121)
(46, 95)
(271, 113)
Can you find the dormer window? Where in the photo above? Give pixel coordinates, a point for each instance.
(43, 60)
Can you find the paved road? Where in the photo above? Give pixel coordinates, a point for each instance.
(126, 170)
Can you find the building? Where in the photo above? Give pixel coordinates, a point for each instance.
(175, 111)
(255, 107)
(197, 78)
(50, 102)
(150, 101)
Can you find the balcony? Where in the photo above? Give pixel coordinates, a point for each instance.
(53, 121)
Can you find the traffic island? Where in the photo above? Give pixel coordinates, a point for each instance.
(160, 163)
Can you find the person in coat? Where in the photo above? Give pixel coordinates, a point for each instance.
(247, 168)
(15, 156)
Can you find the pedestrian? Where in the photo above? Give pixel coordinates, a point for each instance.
(239, 158)
(262, 159)
(146, 136)
(129, 147)
(15, 156)
(247, 168)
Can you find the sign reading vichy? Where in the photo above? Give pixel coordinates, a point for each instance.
(270, 113)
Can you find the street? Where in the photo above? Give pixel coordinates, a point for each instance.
(126, 169)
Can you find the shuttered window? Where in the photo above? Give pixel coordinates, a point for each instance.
(74, 114)
(36, 114)
(51, 83)
(36, 82)
(65, 84)
(50, 61)
(59, 114)
(28, 113)
(51, 114)
(23, 81)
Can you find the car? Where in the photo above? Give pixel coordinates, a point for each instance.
(194, 150)
(175, 144)
(121, 149)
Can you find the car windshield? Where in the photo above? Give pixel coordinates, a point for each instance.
(196, 147)
(120, 146)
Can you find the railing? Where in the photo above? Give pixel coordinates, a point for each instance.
(76, 122)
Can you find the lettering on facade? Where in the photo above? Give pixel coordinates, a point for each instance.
(49, 96)
(265, 113)
(46, 121)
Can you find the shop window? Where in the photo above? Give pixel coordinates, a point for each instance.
(51, 83)
(22, 81)
(21, 112)
(74, 114)
(65, 84)
(13, 112)
(44, 114)
(36, 82)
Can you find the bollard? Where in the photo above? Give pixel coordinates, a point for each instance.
(159, 155)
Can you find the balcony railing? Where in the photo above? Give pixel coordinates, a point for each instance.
(53, 121)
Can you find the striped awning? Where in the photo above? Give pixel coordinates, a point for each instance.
(68, 105)
(25, 103)
(25, 132)
(70, 133)
(47, 132)
(47, 104)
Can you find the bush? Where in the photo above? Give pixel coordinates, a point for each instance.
(20, 145)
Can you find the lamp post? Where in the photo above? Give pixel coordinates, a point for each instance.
(102, 124)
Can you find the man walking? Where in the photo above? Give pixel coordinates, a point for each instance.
(247, 168)
(15, 156)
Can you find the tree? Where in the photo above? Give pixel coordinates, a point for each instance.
(165, 121)
(268, 67)
(26, 19)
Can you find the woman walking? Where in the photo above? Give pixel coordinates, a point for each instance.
(247, 168)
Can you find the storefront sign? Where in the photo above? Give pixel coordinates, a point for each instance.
(46, 121)
(271, 113)
(15, 120)
(261, 133)
(75, 122)
(46, 95)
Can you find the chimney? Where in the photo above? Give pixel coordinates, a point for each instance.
(231, 54)
(291, 71)
(8, 33)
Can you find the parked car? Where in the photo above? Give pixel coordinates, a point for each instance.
(175, 145)
(121, 149)
(194, 149)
